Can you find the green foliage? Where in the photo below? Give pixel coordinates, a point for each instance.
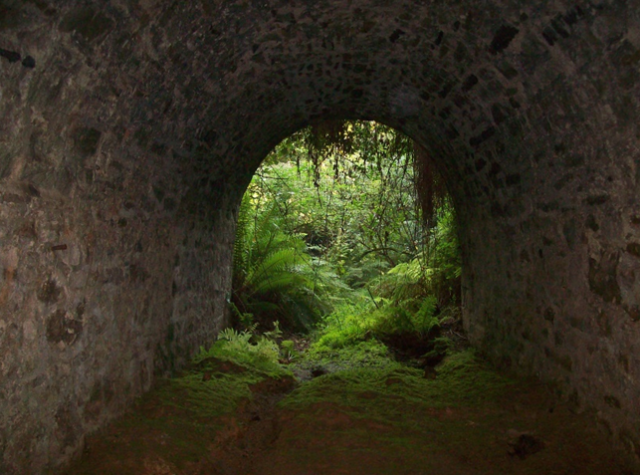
(288, 350)
(435, 271)
(362, 215)
(463, 379)
(350, 324)
(396, 320)
(444, 261)
(330, 227)
(442, 345)
(245, 349)
(274, 277)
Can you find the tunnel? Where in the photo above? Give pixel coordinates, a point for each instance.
(131, 128)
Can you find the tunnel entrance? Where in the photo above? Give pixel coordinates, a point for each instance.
(130, 130)
(337, 213)
(347, 231)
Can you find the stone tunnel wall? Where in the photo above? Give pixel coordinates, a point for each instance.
(111, 269)
(129, 129)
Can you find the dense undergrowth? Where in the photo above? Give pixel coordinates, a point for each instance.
(340, 236)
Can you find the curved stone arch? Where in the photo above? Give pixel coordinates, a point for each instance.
(459, 84)
(130, 133)
(377, 75)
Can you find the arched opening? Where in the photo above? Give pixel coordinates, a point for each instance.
(351, 201)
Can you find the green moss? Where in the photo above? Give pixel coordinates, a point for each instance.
(464, 376)
(182, 416)
(399, 395)
(364, 354)
(261, 357)
(215, 397)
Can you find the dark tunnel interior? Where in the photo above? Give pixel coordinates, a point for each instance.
(130, 129)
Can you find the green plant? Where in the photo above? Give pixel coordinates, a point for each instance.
(444, 261)
(442, 345)
(392, 319)
(361, 216)
(245, 349)
(273, 275)
(434, 271)
(300, 254)
(275, 334)
(348, 324)
(288, 350)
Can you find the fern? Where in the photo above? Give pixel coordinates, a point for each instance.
(232, 345)
(274, 277)
(435, 271)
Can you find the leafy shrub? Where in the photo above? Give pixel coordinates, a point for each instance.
(239, 348)
(391, 319)
(274, 277)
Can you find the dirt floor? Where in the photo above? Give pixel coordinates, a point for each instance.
(220, 418)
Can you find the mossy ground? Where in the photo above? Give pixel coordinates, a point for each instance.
(465, 419)
(368, 415)
(173, 428)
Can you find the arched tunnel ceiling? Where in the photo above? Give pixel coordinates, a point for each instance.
(129, 129)
(452, 78)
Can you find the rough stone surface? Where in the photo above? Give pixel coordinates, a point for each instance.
(129, 129)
